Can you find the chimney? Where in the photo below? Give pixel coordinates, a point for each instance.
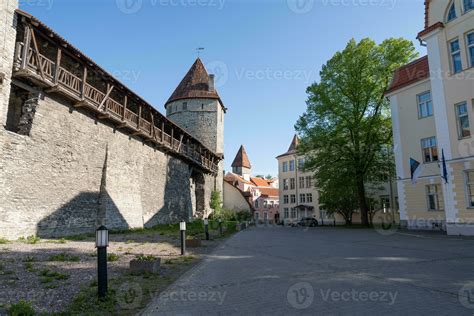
(211, 83)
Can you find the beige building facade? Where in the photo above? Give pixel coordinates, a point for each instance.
(432, 112)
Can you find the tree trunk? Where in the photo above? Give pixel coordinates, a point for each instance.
(364, 209)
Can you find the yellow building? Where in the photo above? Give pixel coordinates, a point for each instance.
(432, 111)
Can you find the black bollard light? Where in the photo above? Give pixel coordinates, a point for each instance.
(220, 226)
(206, 228)
(101, 243)
(182, 228)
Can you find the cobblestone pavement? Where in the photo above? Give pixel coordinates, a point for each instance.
(328, 271)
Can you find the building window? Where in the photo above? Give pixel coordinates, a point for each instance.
(301, 182)
(302, 198)
(292, 183)
(256, 203)
(432, 195)
(425, 105)
(309, 197)
(285, 166)
(287, 213)
(285, 199)
(293, 198)
(285, 184)
(470, 47)
(470, 187)
(293, 213)
(300, 163)
(456, 56)
(185, 106)
(308, 182)
(468, 5)
(463, 120)
(452, 12)
(430, 150)
(292, 165)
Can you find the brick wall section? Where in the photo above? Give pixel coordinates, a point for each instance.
(7, 47)
(50, 181)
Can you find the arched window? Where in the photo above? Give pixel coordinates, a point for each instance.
(468, 5)
(451, 12)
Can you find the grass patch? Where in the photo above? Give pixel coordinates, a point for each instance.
(79, 237)
(64, 257)
(28, 266)
(32, 239)
(48, 276)
(22, 308)
(57, 241)
(112, 257)
(28, 259)
(3, 241)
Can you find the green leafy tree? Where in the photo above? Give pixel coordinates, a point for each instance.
(216, 202)
(347, 121)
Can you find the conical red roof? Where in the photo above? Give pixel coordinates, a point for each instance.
(195, 85)
(241, 159)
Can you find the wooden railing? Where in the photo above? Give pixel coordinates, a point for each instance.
(60, 79)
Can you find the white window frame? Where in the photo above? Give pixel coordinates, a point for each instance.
(435, 193)
(302, 198)
(292, 165)
(309, 182)
(293, 198)
(309, 197)
(465, 10)
(427, 104)
(453, 53)
(292, 184)
(285, 185)
(468, 183)
(451, 5)
(286, 199)
(468, 47)
(285, 166)
(301, 182)
(431, 151)
(286, 213)
(459, 116)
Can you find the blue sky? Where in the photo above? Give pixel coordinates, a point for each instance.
(265, 53)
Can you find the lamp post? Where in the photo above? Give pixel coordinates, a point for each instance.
(220, 226)
(206, 228)
(182, 228)
(101, 243)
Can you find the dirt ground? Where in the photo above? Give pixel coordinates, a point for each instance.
(51, 273)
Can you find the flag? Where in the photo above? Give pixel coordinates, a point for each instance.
(444, 169)
(415, 168)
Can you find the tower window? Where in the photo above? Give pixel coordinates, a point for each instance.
(185, 106)
(202, 106)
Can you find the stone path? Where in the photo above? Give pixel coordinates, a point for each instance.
(330, 271)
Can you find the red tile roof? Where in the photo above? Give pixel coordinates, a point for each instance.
(411, 73)
(241, 159)
(195, 85)
(233, 177)
(259, 182)
(428, 28)
(427, 13)
(271, 192)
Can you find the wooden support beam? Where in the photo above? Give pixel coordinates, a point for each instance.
(180, 142)
(163, 132)
(172, 137)
(35, 45)
(58, 65)
(84, 82)
(26, 48)
(152, 127)
(139, 115)
(124, 108)
(109, 90)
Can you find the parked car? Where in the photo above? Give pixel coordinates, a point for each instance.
(307, 222)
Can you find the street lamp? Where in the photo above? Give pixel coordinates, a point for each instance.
(101, 243)
(182, 228)
(206, 228)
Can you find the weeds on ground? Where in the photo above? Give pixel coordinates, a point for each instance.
(64, 257)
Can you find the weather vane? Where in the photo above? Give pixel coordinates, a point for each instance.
(198, 50)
